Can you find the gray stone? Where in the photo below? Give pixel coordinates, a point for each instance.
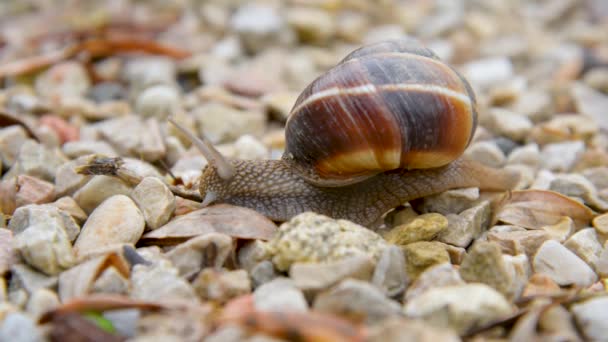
(262, 273)
(280, 294)
(41, 301)
(312, 25)
(419, 256)
(487, 153)
(67, 180)
(357, 298)
(527, 155)
(220, 285)
(221, 123)
(598, 176)
(517, 242)
(11, 140)
(310, 237)
(75, 149)
(144, 72)
(159, 101)
(208, 250)
(155, 201)
(586, 245)
(19, 327)
(124, 320)
(561, 156)
(116, 221)
(158, 282)
(437, 276)
(576, 185)
(65, 79)
(258, 25)
(25, 277)
(99, 189)
(319, 276)
(487, 72)
(509, 124)
(131, 135)
(37, 160)
(460, 307)
(451, 201)
(466, 226)
(389, 274)
(591, 316)
(591, 103)
(563, 266)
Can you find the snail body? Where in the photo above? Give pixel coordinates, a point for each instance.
(388, 124)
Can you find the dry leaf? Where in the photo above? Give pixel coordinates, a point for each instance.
(98, 302)
(534, 209)
(300, 326)
(226, 219)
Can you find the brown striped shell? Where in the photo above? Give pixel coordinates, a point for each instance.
(386, 106)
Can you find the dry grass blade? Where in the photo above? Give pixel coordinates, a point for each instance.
(93, 48)
(98, 302)
(534, 209)
(76, 328)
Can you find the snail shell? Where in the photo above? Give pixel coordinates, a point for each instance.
(385, 106)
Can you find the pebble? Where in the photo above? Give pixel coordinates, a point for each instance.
(144, 72)
(262, 273)
(251, 253)
(586, 245)
(221, 123)
(221, 286)
(527, 155)
(17, 326)
(259, 26)
(536, 104)
(460, 307)
(562, 156)
(600, 223)
(563, 266)
(421, 255)
(466, 226)
(506, 145)
(249, 147)
(160, 282)
(484, 264)
(310, 237)
(356, 298)
(124, 321)
(26, 278)
(67, 180)
(577, 186)
(159, 101)
(133, 136)
(591, 317)
(399, 329)
(509, 124)
(32, 190)
(436, 276)
(106, 91)
(65, 79)
(381, 33)
(41, 301)
(37, 160)
(451, 201)
(155, 201)
(591, 103)
(207, 250)
(280, 294)
(489, 71)
(487, 153)
(518, 242)
(311, 277)
(117, 220)
(389, 274)
(11, 140)
(598, 176)
(564, 127)
(75, 149)
(312, 25)
(422, 228)
(43, 236)
(97, 190)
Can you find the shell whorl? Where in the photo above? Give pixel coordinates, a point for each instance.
(385, 106)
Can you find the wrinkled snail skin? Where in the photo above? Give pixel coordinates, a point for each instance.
(272, 188)
(388, 124)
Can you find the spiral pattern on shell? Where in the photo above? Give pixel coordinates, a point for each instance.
(385, 106)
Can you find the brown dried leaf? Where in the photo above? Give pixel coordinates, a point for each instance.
(98, 302)
(7, 252)
(226, 219)
(73, 327)
(301, 326)
(534, 209)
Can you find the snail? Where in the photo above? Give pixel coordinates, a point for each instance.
(386, 125)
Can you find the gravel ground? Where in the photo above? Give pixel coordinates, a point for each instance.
(103, 236)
